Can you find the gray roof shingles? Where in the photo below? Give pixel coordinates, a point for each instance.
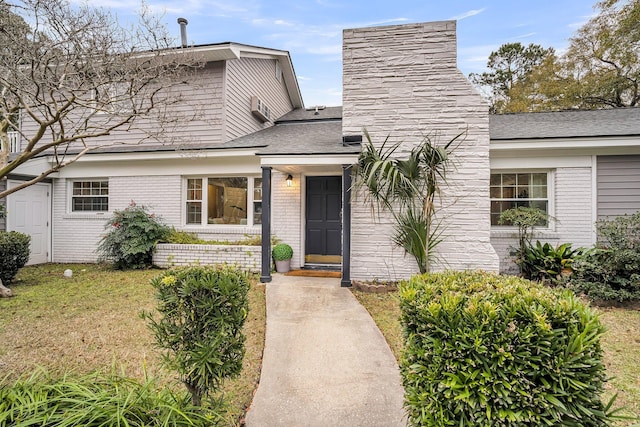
(565, 124)
(302, 132)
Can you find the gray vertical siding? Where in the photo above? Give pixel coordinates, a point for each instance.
(618, 185)
(3, 203)
(247, 77)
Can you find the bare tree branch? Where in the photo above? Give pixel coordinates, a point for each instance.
(72, 76)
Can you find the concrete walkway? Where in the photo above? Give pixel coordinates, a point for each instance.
(325, 361)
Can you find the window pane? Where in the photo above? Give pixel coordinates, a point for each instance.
(90, 196)
(194, 212)
(539, 178)
(257, 189)
(523, 192)
(509, 192)
(513, 190)
(538, 192)
(194, 189)
(227, 200)
(523, 179)
(508, 179)
(257, 212)
(90, 204)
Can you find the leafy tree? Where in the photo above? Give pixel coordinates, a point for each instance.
(509, 66)
(601, 68)
(604, 56)
(76, 75)
(406, 188)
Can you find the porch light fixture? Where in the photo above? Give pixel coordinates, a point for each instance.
(289, 180)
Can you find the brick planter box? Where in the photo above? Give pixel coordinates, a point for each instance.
(169, 255)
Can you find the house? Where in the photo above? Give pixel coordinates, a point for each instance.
(257, 162)
(578, 166)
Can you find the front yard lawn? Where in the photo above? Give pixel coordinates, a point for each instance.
(621, 344)
(91, 322)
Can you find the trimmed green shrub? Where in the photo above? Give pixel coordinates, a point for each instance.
(611, 271)
(202, 311)
(132, 235)
(98, 400)
(14, 254)
(489, 350)
(282, 252)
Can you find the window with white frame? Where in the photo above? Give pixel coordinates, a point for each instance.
(90, 196)
(514, 189)
(223, 200)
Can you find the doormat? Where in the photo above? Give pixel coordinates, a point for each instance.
(314, 273)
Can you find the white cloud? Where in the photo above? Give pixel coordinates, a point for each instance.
(469, 14)
(524, 36)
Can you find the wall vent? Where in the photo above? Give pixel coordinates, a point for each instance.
(351, 140)
(260, 109)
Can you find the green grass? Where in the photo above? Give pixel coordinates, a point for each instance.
(91, 322)
(621, 344)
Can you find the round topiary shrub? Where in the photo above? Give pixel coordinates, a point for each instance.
(14, 254)
(489, 350)
(282, 252)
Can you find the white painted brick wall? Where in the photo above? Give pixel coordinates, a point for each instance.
(402, 82)
(244, 257)
(77, 235)
(572, 197)
(286, 214)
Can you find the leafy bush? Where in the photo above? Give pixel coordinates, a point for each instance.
(489, 350)
(547, 263)
(14, 254)
(131, 237)
(202, 313)
(611, 271)
(98, 400)
(282, 252)
(186, 238)
(183, 238)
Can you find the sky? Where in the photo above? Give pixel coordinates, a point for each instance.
(311, 30)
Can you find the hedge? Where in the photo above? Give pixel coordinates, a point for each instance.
(14, 254)
(489, 350)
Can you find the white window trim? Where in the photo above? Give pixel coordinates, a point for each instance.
(204, 220)
(70, 197)
(551, 185)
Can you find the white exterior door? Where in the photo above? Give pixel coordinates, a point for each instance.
(28, 211)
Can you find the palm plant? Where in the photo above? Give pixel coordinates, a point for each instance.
(406, 188)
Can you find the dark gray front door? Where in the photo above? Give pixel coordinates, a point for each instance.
(324, 225)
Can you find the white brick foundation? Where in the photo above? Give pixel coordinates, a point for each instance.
(169, 255)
